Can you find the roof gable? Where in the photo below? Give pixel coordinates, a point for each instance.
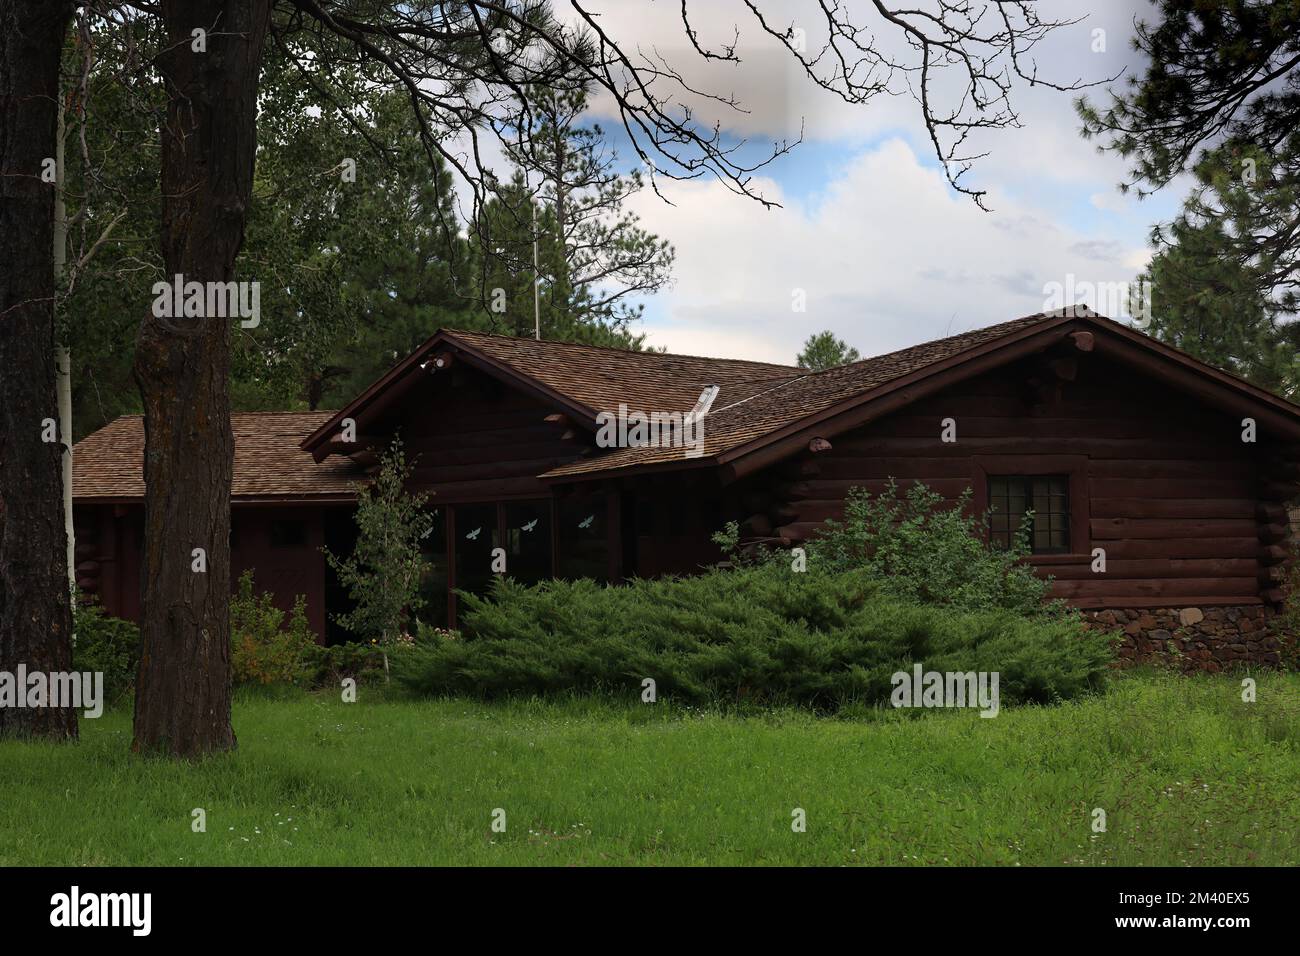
(583, 380)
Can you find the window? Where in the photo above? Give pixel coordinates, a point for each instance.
(584, 544)
(528, 540)
(340, 534)
(477, 534)
(1047, 496)
(433, 585)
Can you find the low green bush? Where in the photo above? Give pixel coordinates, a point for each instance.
(923, 552)
(328, 665)
(268, 646)
(760, 633)
(106, 645)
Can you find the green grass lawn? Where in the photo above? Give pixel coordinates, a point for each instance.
(1186, 772)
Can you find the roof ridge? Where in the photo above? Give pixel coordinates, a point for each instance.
(614, 348)
(258, 411)
(1034, 316)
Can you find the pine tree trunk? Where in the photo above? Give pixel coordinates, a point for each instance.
(182, 367)
(35, 603)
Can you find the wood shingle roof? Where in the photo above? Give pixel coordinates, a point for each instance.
(781, 402)
(599, 378)
(269, 462)
(757, 404)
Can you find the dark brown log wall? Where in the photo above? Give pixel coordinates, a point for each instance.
(1184, 509)
(109, 546)
(473, 438)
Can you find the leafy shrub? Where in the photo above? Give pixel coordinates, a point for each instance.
(328, 665)
(106, 645)
(263, 649)
(384, 570)
(758, 633)
(925, 553)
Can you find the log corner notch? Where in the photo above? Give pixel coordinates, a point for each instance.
(563, 420)
(1279, 484)
(754, 546)
(1083, 341)
(364, 451)
(772, 519)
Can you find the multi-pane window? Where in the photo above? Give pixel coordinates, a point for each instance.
(1047, 496)
(522, 529)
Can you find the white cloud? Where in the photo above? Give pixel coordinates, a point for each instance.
(887, 253)
(1112, 201)
(887, 256)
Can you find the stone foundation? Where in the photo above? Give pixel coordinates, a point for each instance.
(1204, 639)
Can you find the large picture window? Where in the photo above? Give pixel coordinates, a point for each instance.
(433, 586)
(583, 538)
(522, 529)
(477, 533)
(1047, 496)
(528, 540)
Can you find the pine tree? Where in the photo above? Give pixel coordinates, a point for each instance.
(593, 257)
(824, 350)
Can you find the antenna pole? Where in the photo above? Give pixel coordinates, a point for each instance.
(537, 281)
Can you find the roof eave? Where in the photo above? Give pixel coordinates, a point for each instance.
(621, 471)
(321, 498)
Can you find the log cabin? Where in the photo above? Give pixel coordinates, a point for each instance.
(1178, 472)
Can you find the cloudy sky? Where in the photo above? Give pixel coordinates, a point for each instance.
(885, 251)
